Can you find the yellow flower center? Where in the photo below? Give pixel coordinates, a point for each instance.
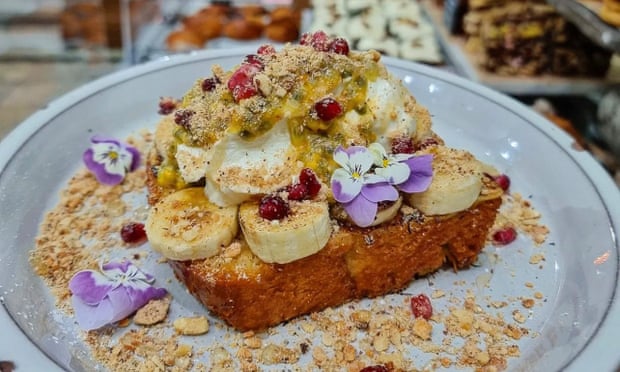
(355, 175)
(113, 155)
(386, 162)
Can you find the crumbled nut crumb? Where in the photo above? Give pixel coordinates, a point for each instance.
(538, 295)
(153, 312)
(422, 328)
(518, 316)
(275, 354)
(351, 337)
(191, 326)
(527, 303)
(253, 342)
(537, 258)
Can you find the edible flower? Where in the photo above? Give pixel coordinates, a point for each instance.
(408, 172)
(112, 295)
(110, 160)
(370, 175)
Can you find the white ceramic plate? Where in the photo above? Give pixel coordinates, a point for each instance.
(579, 324)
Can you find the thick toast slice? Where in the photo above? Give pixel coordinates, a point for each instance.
(357, 262)
(250, 294)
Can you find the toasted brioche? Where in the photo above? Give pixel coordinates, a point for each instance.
(250, 294)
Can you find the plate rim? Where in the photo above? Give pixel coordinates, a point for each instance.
(597, 352)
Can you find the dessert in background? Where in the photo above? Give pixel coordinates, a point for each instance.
(244, 22)
(610, 12)
(395, 28)
(530, 38)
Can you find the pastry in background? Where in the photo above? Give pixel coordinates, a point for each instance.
(393, 27)
(610, 12)
(205, 25)
(530, 38)
(284, 25)
(183, 40)
(244, 22)
(241, 28)
(83, 24)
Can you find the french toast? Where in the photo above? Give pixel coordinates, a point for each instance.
(356, 263)
(250, 212)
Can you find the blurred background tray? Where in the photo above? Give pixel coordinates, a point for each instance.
(464, 63)
(584, 15)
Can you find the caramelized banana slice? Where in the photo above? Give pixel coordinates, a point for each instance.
(185, 225)
(457, 181)
(304, 232)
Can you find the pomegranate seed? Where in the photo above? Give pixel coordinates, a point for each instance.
(209, 84)
(320, 41)
(273, 207)
(308, 178)
(402, 145)
(428, 142)
(503, 181)
(306, 38)
(421, 306)
(243, 91)
(254, 60)
(241, 83)
(377, 368)
(182, 117)
(298, 191)
(167, 105)
(133, 233)
(339, 45)
(327, 109)
(266, 49)
(504, 236)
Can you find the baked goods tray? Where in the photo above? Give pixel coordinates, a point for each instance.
(464, 63)
(150, 39)
(584, 14)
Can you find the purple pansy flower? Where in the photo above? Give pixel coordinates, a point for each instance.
(369, 176)
(104, 298)
(408, 172)
(110, 160)
(356, 188)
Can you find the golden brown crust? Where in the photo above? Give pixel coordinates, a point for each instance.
(610, 12)
(243, 29)
(282, 31)
(251, 295)
(206, 26)
(181, 40)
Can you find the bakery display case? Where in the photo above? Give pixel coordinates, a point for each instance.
(188, 25)
(522, 48)
(562, 51)
(55, 30)
(397, 28)
(599, 20)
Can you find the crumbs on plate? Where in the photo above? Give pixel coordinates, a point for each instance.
(464, 331)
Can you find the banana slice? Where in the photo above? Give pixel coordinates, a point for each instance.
(164, 136)
(388, 213)
(457, 181)
(186, 226)
(304, 232)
